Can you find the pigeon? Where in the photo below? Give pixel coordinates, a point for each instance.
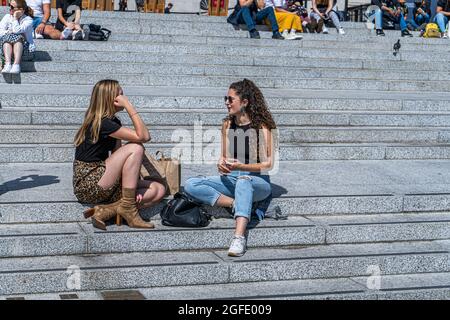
(397, 47)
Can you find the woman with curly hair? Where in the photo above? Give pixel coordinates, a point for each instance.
(246, 158)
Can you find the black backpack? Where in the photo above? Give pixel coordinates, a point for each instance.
(97, 33)
(182, 211)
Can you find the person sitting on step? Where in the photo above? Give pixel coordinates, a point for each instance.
(323, 10)
(16, 36)
(289, 23)
(422, 14)
(247, 156)
(69, 17)
(442, 17)
(390, 10)
(102, 178)
(251, 12)
(41, 17)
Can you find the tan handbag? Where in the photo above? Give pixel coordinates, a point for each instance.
(166, 171)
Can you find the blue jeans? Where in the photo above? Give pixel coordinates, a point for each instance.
(399, 19)
(422, 18)
(36, 21)
(244, 187)
(412, 23)
(245, 16)
(379, 20)
(441, 21)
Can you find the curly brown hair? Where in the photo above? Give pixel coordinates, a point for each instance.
(257, 108)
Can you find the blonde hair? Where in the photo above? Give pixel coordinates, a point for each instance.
(101, 106)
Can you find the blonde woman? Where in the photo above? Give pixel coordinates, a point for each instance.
(288, 22)
(102, 178)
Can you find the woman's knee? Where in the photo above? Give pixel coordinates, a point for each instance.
(192, 184)
(161, 191)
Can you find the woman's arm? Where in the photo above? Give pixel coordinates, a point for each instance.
(265, 164)
(140, 133)
(26, 25)
(279, 9)
(330, 6)
(77, 16)
(4, 25)
(224, 149)
(245, 3)
(314, 8)
(67, 24)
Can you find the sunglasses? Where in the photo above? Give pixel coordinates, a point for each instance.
(229, 99)
(14, 8)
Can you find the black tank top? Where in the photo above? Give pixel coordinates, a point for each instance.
(239, 142)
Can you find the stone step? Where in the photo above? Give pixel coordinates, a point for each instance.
(309, 41)
(219, 81)
(419, 286)
(211, 117)
(167, 269)
(21, 240)
(222, 29)
(54, 153)
(243, 71)
(48, 47)
(173, 59)
(43, 192)
(44, 134)
(77, 96)
(428, 286)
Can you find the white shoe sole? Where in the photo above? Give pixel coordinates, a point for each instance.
(233, 254)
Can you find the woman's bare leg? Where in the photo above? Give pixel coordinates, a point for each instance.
(125, 162)
(241, 226)
(18, 50)
(224, 201)
(7, 51)
(151, 193)
(51, 32)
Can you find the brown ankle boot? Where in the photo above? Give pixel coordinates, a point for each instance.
(102, 213)
(128, 210)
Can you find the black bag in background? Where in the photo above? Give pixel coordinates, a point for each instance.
(96, 32)
(182, 211)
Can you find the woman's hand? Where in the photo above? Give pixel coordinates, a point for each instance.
(40, 28)
(222, 167)
(18, 14)
(121, 102)
(234, 165)
(70, 25)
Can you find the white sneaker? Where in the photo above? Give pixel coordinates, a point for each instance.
(295, 35)
(341, 31)
(38, 36)
(238, 246)
(325, 30)
(66, 33)
(285, 34)
(445, 36)
(6, 68)
(15, 69)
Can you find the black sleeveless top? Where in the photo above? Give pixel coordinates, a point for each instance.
(239, 138)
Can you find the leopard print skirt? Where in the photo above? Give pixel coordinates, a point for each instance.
(86, 176)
